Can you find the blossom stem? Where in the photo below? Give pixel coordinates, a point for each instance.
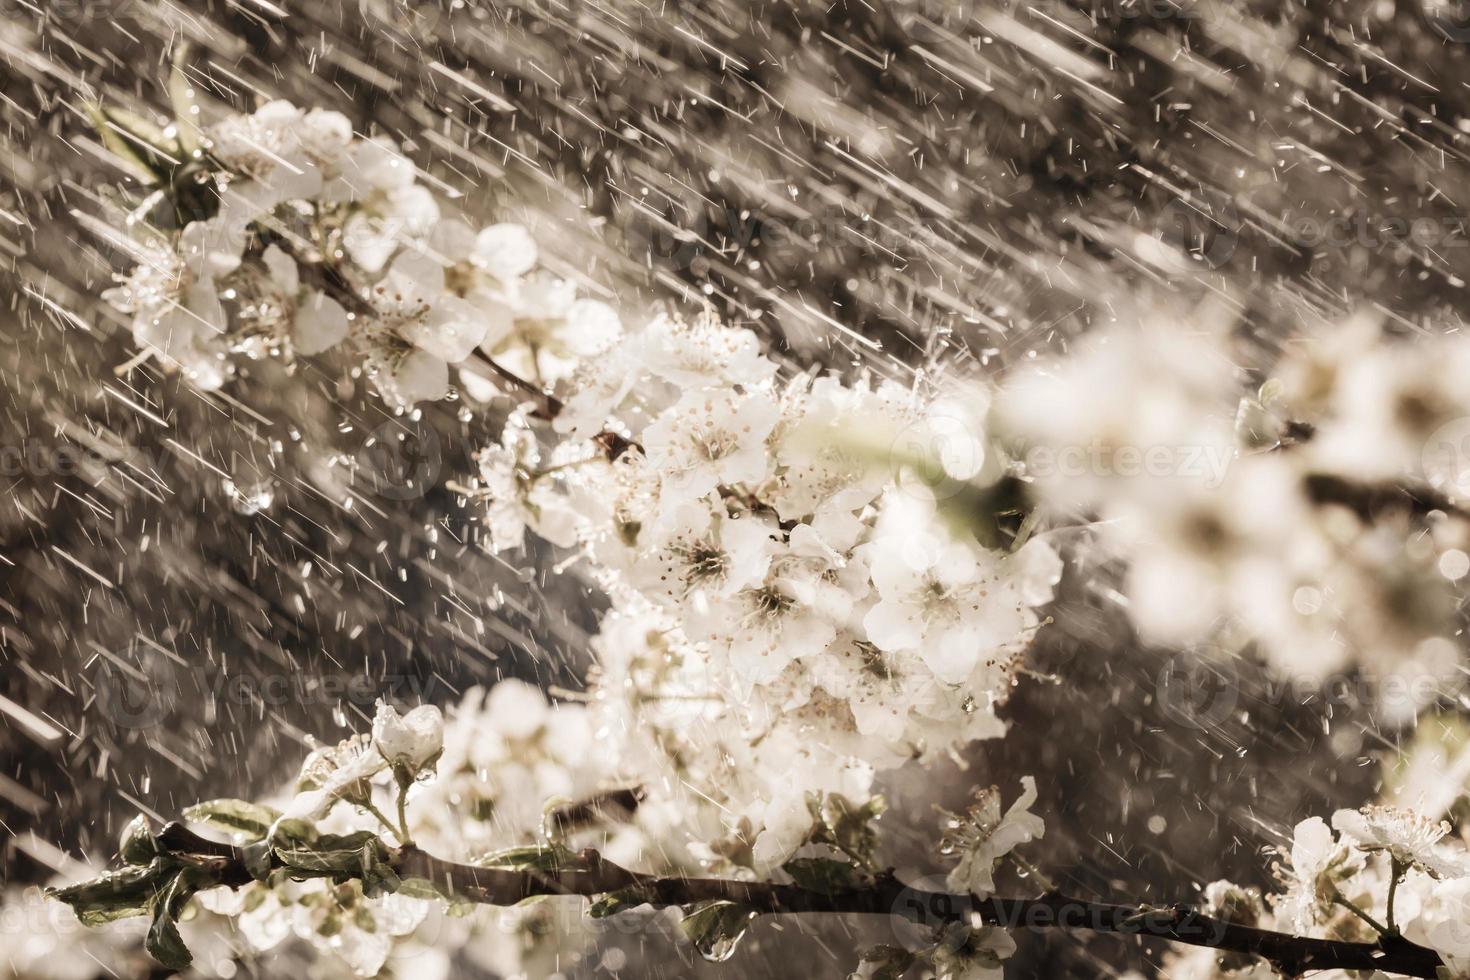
(1047, 885)
(551, 406)
(327, 277)
(1396, 873)
(382, 818)
(1378, 927)
(402, 831)
(589, 874)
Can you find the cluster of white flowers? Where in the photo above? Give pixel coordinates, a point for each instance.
(793, 607)
(791, 614)
(1373, 870)
(1282, 518)
(773, 571)
(321, 237)
(502, 759)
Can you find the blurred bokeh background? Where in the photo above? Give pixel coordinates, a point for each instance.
(898, 183)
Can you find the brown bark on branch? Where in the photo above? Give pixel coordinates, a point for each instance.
(887, 895)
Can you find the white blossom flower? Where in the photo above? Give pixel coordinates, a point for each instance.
(879, 688)
(701, 556)
(419, 329)
(601, 385)
(176, 309)
(389, 208)
(339, 920)
(1407, 837)
(412, 741)
(318, 322)
(1318, 863)
(519, 495)
(982, 836)
(1442, 923)
(793, 611)
(552, 331)
(710, 439)
(967, 952)
(823, 449)
(411, 299)
(951, 600)
(505, 251)
(325, 135)
(704, 353)
(337, 772)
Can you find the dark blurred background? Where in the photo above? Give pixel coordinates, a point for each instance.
(190, 583)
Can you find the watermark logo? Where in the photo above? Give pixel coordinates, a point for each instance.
(1198, 689)
(1207, 232)
(132, 700)
(1204, 463)
(1450, 19)
(924, 904)
(401, 459)
(939, 455)
(1446, 458)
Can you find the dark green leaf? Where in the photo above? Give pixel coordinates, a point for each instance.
(137, 845)
(614, 902)
(552, 857)
(139, 144)
(846, 826)
(716, 928)
(181, 97)
(886, 962)
(293, 832)
(118, 894)
(163, 942)
(825, 875)
(235, 816)
(257, 858)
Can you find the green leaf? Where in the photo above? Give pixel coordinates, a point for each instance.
(825, 875)
(235, 816)
(378, 876)
(163, 942)
(886, 962)
(139, 144)
(292, 831)
(358, 855)
(127, 155)
(136, 844)
(842, 824)
(186, 108)
(535, 857)
(257, 858)
(716, 928)
(118, 894)
(619, 901)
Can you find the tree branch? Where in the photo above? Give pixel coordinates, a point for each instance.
(592, 875)
(1371, 500)
(327, 277)
(551, 406)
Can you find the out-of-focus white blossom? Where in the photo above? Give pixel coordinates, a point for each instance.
(967, 952)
